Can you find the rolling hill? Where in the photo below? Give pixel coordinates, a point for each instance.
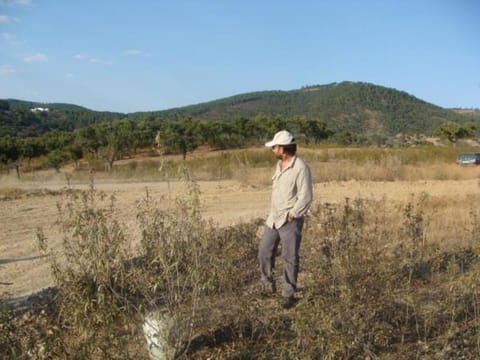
(347, 106)
(353, 107)
(25, 118)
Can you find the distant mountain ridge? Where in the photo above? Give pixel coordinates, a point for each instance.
(354, 107)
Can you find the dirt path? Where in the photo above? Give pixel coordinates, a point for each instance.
(23, 270)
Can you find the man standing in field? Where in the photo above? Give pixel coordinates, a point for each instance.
(291, 199)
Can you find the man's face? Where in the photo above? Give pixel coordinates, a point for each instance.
(277, 151)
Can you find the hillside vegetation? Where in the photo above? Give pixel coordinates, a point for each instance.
(354, 107)
(347, 106)
(18, 119)
(343, 113)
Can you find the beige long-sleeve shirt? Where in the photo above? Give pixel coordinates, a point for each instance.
(291, 192)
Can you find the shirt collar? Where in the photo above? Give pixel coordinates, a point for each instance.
(290, 164)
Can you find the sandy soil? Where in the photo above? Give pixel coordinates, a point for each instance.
(23, 270)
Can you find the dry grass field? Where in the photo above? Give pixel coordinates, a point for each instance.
(450, 193)
(445, 195)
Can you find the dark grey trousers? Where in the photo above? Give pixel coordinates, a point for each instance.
(290, 236)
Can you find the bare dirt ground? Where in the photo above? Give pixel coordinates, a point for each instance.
(24, 271)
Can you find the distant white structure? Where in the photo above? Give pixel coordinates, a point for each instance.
(40, 109)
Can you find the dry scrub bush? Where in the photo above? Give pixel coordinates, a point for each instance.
(373, 285)
(187, 262)
(200, 276)
(9, 337)
(375, 288)
(94, 307)
(192, 272)
(28, 332)
(349, 294)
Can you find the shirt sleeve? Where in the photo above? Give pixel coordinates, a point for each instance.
(304, 193)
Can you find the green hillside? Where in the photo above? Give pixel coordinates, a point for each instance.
(18, 119)
(354, 107)
(346, 106)
(27, 105)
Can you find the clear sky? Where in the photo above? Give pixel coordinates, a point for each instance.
(152, 55)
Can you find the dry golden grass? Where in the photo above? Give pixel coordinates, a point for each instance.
(384, 258)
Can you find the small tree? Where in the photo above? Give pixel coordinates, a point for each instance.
(57, 158)
(89, 139)
(10, 152)
(76, 153)
(314, 129)
(182, 136)
(118, 140)
(454, 131)
(32, 147)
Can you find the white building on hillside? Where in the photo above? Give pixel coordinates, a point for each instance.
(39, 109)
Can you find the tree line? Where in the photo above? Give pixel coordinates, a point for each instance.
(111, 141)
(348, 108)
(178, 134)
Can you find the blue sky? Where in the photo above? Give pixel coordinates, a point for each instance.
(152, 55)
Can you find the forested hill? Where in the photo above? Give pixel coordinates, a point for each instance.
(354, 107)
(26, 118)
(27, 105)
(347, 106)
